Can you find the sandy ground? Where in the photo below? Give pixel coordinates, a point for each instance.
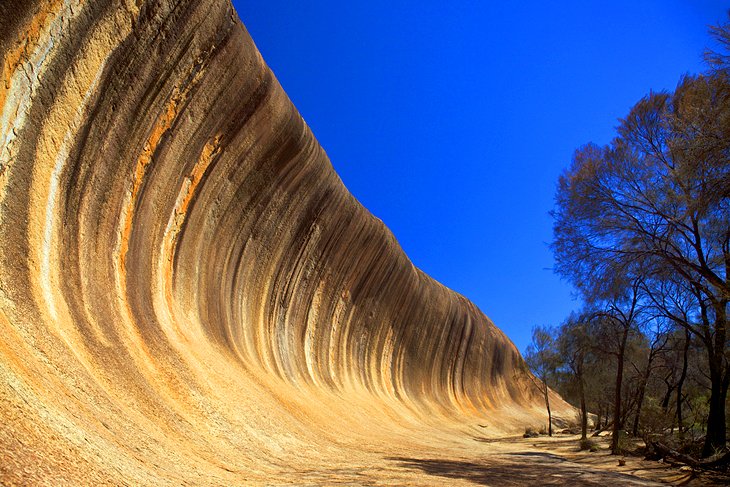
(539, 461)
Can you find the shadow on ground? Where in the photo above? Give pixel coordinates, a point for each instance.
(520, 469)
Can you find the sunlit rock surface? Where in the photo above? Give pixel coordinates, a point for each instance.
(188, 293)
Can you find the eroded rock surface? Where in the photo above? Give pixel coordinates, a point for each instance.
(188, 293)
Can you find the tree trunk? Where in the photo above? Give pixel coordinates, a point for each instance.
(667, 396)
(617, 399)
(715, 438)
(639, 402)
(583, 410)
(642, 393)
(547, 405)
(680, 382)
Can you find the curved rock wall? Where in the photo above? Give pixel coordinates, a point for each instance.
(187, 290)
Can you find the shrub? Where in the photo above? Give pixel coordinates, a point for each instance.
(530, 432)
(588, 444)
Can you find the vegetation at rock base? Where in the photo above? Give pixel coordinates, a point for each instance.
(588, 444)
(642, 231)
(542, 360)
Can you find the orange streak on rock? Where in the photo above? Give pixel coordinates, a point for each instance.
(211, 149)
(25, 45)
(185, 197)
(161, 126)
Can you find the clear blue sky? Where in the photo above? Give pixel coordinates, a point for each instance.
(452, 120)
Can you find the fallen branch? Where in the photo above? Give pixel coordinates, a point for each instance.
(720, 461)
(665, 451)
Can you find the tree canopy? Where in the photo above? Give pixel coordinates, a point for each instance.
(649, 214)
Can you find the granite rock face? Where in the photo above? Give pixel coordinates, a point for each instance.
(188, 293)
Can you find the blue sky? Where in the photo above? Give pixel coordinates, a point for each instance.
(452, 120)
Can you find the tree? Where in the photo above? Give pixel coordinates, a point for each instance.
(616, 323)
(658, 337)
(574, 346)
(656, 199)
(719, 60)
(542, 360)
(681, 303)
